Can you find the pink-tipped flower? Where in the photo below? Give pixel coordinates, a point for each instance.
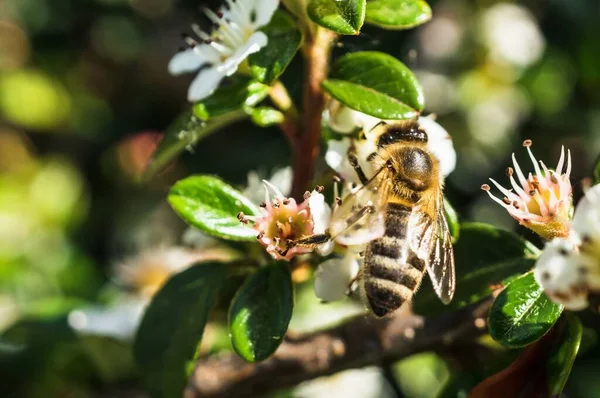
(541, 202)
(284, 220)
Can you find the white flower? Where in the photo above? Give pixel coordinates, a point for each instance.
(281, 179)
(569, 269)
(334, 276)
(541, 202)
(557, 271)
(219, 54)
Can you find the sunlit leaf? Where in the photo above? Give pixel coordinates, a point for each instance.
(521, 314)
(485, 256)
(345, 17)
(284, 40)
(452, 219)
(211, 205)
(376, 84)
(261, 311)
(397, 14)
(171, 330)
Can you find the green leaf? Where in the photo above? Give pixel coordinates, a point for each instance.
(265, 116)
(241, 92)
(376, 84)
(345, 17)
(397, 14)
(183, 134)
(261, 311)
(484, 256)
(211, 205)
(563, 354)
(521, 314)
(284, 40)
(171, 330)
(452, 219)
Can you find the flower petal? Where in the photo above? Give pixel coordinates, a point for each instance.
(186, 61)
(333, 277)
(440, 143)
(257, 41)
(557, 272)
(264, 12)
(586, 220)
(321, 213)
(336, 157)
(204, 84)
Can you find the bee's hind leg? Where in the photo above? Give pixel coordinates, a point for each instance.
(311, 242)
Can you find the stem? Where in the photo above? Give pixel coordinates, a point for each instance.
(316, 49)
(282, 100)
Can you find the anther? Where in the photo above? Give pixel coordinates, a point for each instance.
(515, 204)
(532, 193)
(319, 188)
(263, 204)
(285, 201)
(220, 14)
(242, 218)
(527, 143)
(260, 235)
(337, 179)
(553, 179)
(506, 200)
(306, 195)
(509, 171)
(338, 201)
(485, 187)
(276, 204)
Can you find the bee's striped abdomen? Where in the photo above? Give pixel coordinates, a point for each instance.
(391, 271)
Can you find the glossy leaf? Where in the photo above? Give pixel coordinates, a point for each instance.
(345, 17)
(265, 116)
(211, 205)
(172, 327)
(563, 354)
(521, 314)
(376, 84)
(261, 311)
(284, 40)
(485, 256)
(397, 14)
(239, 93)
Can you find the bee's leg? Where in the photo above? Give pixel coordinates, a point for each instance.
(312, 241)
(356, 165)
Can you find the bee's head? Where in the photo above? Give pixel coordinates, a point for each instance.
(412, 166)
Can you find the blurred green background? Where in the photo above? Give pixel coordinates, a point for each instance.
(85, 94)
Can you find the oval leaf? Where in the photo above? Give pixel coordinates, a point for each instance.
(284, 40)
(376, 84)
(170, 332)
(261, 311)
(265, 116)
(484, 256)
(563, 354)
(397, 14)
(211, 205)
(522, 314)
(345, 17)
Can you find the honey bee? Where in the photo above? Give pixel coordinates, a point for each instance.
(399, 214)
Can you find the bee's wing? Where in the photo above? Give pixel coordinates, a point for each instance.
(360, 217)
(429, 237)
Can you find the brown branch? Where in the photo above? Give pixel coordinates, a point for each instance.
(317, 49)
(360, 342)
(282, 100)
